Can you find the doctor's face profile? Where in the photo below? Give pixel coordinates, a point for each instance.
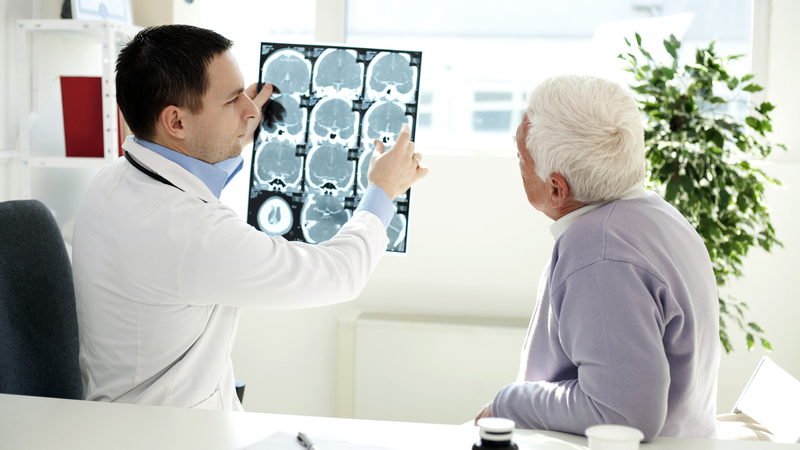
(217, 131)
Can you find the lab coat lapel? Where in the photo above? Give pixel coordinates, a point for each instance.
(173, 172)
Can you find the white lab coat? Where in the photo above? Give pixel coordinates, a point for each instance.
(161, 276)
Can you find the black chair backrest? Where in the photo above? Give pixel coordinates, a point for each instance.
(38, 321)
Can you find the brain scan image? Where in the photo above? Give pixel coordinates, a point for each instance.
(289, 71)
(309, 170)
(328, 171)
(322, 217)
(397, 233)
(337, 74)
(293, 126)
(334, 120)
(391, 77)
(275, 216)
(383, 121)
(276, 166)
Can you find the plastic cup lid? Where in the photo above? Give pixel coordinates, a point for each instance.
(496, 428)
(615, 433)
(496, 424)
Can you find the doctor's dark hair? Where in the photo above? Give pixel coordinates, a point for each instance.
(162, 66)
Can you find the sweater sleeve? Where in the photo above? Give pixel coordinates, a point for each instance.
(610, 318)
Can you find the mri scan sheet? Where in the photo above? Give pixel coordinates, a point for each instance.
(309, 166)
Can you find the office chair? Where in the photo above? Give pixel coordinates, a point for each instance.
(772, 398)
(38, 322)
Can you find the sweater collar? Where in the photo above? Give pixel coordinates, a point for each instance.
(558, 227)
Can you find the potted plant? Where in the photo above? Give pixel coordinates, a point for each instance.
(698, 158)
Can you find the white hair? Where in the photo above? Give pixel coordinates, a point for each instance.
(589, 131)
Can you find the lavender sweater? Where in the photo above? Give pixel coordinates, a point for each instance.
(625, 330)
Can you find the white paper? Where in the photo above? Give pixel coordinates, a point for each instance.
(286, 441)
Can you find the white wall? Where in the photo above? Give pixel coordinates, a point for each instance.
(474, 252)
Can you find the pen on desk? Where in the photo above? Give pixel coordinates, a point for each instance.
(306, 441)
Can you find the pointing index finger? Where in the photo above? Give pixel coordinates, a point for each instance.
(402, 140)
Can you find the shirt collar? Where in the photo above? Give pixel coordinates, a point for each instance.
(560, 226)
(214, 176)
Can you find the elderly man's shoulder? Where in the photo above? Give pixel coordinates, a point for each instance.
(645, 224)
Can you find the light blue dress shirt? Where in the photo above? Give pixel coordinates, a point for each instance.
(217, 176)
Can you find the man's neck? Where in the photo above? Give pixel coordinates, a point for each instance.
(566, 208)
(172, 144)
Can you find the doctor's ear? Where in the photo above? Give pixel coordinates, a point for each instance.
(170, 121)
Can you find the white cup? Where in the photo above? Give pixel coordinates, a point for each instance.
(613, 437)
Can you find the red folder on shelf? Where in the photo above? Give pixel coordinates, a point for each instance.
(82, 106)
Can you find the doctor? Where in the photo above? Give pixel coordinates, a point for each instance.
(161, 267)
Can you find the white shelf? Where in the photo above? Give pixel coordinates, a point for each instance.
(110, 36)
(66, 163)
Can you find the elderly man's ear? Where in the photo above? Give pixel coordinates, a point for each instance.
(559, 191)
(561, 198)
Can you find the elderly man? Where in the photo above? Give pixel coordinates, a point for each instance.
(625, 330)
(162, 269)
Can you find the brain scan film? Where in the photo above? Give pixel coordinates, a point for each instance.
(338, 74)
(311, 153)
(276, 167)
(392, 77)
(333, 120)
(293, 126)
(288, 70)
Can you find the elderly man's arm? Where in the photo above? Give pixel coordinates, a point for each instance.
(610, 327)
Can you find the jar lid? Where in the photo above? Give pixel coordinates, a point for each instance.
(496, 428)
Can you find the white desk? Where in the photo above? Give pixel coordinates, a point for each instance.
(45, 423)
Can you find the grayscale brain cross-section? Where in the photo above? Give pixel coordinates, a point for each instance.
(312, 151)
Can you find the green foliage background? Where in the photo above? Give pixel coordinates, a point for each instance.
(698, 156)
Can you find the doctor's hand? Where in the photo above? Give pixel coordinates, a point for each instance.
(396, 169)
(260, 99)
(486, 411)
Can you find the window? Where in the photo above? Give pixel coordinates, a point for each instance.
(480, 58)
(248, 23)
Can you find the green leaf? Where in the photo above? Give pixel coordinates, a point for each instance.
(674, 41)
(724, 199)
(765, 108)
(670, 48)
(753, 123)
(750, 341)
(752, 88)
(673, 187)
(626, 41)
(698, 67)
(748, 77)
(732, 83)
(718, 138)
(687, 183)
(638, 39)
(765, 343)
(726, 342)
